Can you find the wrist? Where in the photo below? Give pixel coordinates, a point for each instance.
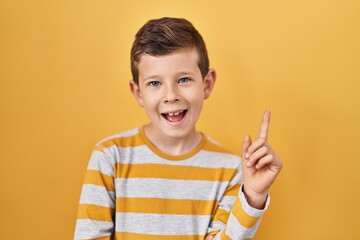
(254, 199)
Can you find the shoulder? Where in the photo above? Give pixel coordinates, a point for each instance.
(214, 146)
(217, 153)
(129, 138)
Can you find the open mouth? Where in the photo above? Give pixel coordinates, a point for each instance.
(174, 117)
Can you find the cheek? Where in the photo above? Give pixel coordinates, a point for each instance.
(197, 101)
(197, 97)
(150, 102)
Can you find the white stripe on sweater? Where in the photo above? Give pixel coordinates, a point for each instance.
(97, 195)
(175, 189)
(162, 224)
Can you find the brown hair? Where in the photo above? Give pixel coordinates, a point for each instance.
(166, 35)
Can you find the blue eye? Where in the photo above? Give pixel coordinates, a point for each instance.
(154, 83)
(184, 80)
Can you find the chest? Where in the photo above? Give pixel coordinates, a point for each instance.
(169, 181)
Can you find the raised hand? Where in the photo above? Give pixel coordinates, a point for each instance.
(260, 165)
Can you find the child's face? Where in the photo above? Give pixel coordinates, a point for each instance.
(171, 90)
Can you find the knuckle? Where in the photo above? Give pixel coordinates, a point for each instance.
(265, 148)
(262, 141)
(250, 150)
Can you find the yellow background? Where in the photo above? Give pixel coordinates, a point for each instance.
(64, 70)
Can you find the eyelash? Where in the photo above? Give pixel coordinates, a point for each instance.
(154, 82)
(187, 79)
(157, 83)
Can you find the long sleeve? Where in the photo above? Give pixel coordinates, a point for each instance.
(235, 218)
(133, 191)
(97, 200)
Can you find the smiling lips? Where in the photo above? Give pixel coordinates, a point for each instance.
(174, 117)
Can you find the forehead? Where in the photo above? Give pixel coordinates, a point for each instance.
(184, 60)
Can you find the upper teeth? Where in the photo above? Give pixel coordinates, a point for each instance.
(174, 114)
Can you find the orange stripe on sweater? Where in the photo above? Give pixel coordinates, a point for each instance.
(166, 206)
(173, 172)
(100, 179)
(95, 212)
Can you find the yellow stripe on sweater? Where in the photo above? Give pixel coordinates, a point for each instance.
(213, 147)
(94, 212)
(130, 141)
(221, 215)
(137, 236)
(224, 236)
(165, 206)
(100, 179)
(232, 190)
(244, 219)
(173, 172)
(101, 238)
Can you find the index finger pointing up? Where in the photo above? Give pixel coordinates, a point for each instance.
(264, 127)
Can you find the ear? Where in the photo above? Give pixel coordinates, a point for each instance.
(209, 82)
(135, 89)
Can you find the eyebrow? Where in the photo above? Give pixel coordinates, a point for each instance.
(185, 73)
(190, 73)
(151, 77)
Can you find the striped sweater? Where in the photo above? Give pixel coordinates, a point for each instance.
(133, 191)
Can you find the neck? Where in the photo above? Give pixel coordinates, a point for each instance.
(174, 146)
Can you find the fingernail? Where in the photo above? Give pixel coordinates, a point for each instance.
(247, 155)
(248, 164)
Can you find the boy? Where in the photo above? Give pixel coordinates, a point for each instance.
(166, 180)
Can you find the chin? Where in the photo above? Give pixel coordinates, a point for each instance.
(179, 132)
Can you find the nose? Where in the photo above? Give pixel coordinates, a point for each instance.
(171, 94)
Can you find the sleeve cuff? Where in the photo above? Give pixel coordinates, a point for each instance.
(250, 210)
